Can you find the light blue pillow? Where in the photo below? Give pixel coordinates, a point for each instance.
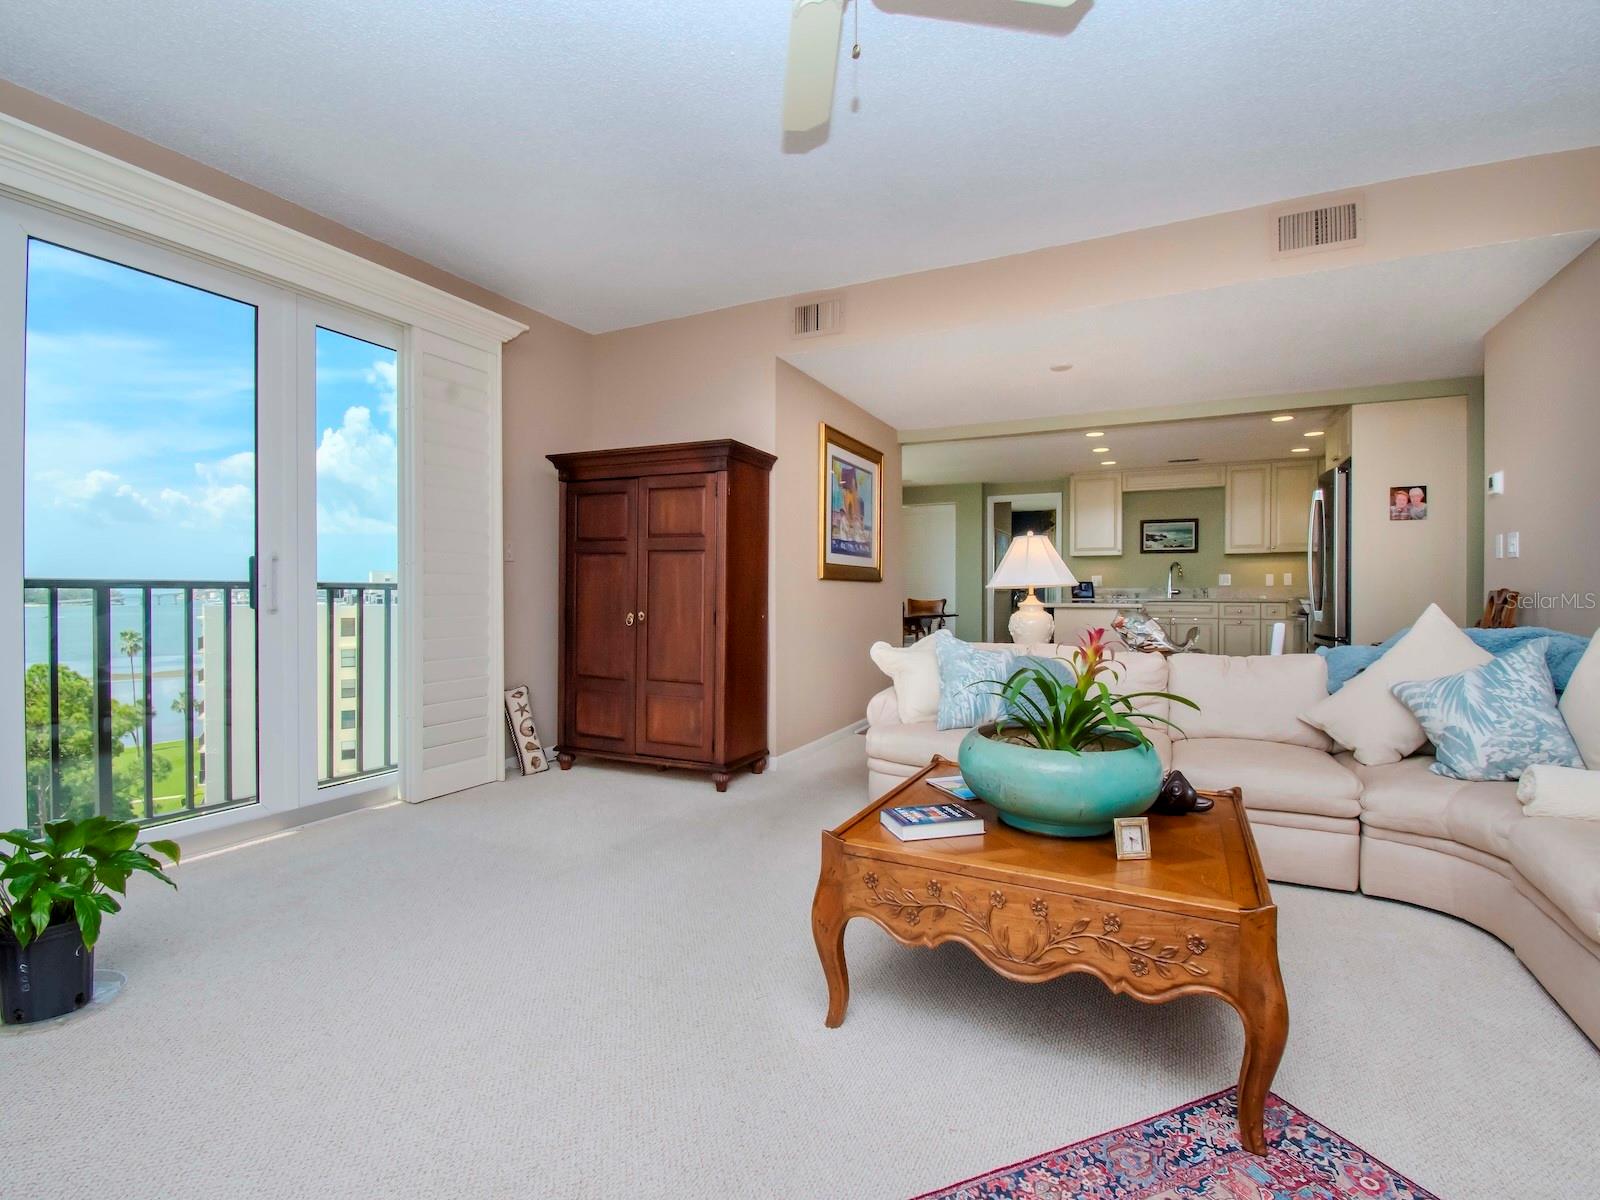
(967, 693)
(1494, 721)
(1059, 667)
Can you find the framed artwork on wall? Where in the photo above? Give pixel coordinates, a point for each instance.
(850, 520)
(1170, 537)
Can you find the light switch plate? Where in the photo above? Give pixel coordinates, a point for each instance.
(1499, 545)
(1224, 580)
(1513, 544)
(1095, 579)
(1497, 484)
(1271, 579)
(1288, 579)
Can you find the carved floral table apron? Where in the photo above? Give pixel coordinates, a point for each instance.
(1196, 917)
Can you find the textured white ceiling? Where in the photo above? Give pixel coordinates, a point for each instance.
(1409, 319)
(613, 164)
(1057, 455)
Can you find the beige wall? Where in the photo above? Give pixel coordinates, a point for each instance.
(823, 627)
(1541, 427)
(544, 382)
(1399, 567)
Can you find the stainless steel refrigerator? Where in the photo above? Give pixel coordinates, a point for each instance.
(1328, 559)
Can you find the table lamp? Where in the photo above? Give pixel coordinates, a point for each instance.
(1031, 561)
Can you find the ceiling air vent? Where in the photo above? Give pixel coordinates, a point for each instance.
(1182, 460)
(818, 318)
(1331, 226)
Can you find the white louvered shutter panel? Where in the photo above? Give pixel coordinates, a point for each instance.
(456, 724)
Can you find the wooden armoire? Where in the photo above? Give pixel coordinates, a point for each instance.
(664, 606)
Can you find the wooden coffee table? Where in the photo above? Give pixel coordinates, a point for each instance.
(1195, 918)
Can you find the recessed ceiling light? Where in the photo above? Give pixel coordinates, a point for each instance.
(1300, 450)
(1095, 433)
(1108, 462)
(1312, 433)
(1101, 450)
(1281, 417)
(1061, 367)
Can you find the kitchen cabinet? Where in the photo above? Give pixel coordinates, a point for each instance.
(1292, 485)
(1094, 518)
(1267, 506)
(1247, 509)
(1240, 635)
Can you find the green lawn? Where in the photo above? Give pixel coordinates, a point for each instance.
(169, 790)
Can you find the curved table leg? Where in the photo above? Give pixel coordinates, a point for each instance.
(827, 927)
(1265, 1012)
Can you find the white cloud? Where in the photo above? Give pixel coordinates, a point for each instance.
(356, 474)
(382, 376)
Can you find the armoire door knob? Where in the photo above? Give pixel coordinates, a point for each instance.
(628, 620)
(641, 616)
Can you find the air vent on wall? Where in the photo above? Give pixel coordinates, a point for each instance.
(818, 318)
(1182, 460)
(1330, 226)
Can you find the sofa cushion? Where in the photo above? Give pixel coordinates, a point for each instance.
(1362, 716)
(1405, 796)
(914, 671)
(914, 744)
(1562, 859)
(1493, 722)
(1259, 697)
(1408, 797)
(1580, 704)
(1274, 775)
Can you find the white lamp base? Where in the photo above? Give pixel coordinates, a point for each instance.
(1032, 622)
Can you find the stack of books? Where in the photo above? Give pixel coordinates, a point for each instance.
(918, 822)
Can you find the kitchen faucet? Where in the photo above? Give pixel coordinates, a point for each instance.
(1176, 569)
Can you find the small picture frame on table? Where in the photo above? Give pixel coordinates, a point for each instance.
(1132, 836)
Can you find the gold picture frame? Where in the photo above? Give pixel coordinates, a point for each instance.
(1131, 836)
(849, 521)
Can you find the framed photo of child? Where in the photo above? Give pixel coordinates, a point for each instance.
(850, 520)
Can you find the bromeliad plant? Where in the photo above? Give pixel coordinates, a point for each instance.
(1041, 709)
(70, 870)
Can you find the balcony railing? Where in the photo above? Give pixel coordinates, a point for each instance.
(141, 694)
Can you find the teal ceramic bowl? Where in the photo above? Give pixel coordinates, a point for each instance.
(1056, 793)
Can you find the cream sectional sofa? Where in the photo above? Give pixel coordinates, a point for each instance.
(1321, 818)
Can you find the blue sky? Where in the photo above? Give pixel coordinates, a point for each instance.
(141, 431)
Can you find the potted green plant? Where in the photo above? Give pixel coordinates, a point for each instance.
(54, 890)
(1068, 755)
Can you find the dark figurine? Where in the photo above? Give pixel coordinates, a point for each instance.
(1177, 796)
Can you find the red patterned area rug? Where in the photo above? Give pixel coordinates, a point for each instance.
(1193, 1153)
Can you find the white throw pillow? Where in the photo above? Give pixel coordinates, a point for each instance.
(1364, 717)
(1580, 705)
(1547, 791)
(914, 671)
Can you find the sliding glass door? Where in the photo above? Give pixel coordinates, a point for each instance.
(210, 547)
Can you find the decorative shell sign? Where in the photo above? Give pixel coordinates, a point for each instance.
(519, 721)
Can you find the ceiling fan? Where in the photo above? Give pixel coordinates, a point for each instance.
(813, 60)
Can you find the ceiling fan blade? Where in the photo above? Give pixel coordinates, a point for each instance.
(813, 61)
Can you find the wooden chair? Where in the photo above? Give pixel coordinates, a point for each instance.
(922, 617)
(1500, 611)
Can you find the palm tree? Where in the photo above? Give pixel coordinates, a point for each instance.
(132, 643)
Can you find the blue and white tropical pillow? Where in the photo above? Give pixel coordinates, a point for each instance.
(1494, 721)
(967, 691)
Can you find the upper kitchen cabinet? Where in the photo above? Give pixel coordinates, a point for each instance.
(1292, 485)
(1267, 506)
(1248, 509)
(1094, 518)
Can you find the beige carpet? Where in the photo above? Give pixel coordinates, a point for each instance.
(602, 984)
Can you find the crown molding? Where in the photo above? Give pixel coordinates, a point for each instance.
(49, 171)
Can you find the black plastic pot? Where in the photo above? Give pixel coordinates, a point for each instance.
(51, 975)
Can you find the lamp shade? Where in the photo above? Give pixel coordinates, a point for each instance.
(1032, 561)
